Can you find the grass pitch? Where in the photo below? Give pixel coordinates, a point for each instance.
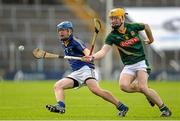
(26, 101)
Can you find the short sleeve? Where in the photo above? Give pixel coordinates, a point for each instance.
(80, 45)
(138, 26)
(108, 40)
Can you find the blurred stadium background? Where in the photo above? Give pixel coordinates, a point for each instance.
(32, 23)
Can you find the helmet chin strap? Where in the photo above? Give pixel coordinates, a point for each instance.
(116, 26)
(64, 39)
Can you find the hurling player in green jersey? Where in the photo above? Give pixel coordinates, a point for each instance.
(134, 76)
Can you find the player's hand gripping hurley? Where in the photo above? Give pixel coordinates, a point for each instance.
(97, 24)
(40, 54)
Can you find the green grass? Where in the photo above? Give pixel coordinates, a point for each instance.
(27, 100)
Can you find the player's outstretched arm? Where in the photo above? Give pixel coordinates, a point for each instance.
(98, 55)
(101, 53)
(149, 34)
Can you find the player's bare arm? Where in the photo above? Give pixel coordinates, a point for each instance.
(101, 53)
(98, 55)
(148, 33)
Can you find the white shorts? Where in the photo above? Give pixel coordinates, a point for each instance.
(83, 74)
(131, 69)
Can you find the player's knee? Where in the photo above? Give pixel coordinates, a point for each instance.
(143, 88)
(58, 86)
(124, 87)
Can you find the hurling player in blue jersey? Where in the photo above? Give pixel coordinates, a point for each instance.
(82, 72)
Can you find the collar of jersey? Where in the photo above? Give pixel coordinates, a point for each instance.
(66, 43)
(122, 32)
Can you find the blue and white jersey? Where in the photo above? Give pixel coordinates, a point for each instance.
(75, 47)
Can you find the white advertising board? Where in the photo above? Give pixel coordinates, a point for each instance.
(164, 23)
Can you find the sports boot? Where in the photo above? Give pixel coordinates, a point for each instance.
(56, 108)
(123, 109)
(166, 112)
(122, 113)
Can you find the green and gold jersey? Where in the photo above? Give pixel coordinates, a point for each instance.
(128, 43)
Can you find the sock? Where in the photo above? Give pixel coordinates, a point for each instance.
(163, 107)
(121, 106)
(61, 104)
